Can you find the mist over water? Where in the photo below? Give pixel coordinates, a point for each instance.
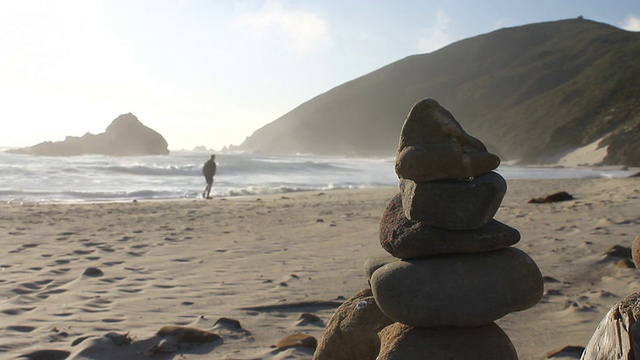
(93, 178)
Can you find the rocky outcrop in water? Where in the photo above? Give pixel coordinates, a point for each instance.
(125, 136)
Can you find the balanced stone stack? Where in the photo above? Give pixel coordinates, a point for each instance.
(454, 271)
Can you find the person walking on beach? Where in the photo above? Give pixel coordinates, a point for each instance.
(209, 170)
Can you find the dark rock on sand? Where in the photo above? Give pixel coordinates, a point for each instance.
(228, 323)
(565, 351)
(93, 272)
(635, 251)
(486, 342)
(458, 289)
(406, 239)
(619, 251)
(434, 146)
(46, 355)
(625, 264)
(352, 331)
(556, 197)
(307, 318)
(297, 340)
(186, 334)
(454, 204)
(125, 136)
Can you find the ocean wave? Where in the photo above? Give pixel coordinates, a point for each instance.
(143, 170)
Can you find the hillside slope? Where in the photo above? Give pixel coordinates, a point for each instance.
(530, 92)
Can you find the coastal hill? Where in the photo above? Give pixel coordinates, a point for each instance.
(531, 93)
(125, 136)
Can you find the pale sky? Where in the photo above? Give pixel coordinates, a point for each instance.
(211, 72)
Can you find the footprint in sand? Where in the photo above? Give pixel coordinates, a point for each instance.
(112, 263)
(83, 252)
(112, 321)
(97, 305)
(17, 311)
(59, 271)
(21, 328)
(29, 287)
(113, 279)
(130, 291)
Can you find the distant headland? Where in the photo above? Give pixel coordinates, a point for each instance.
(533, 93)
(125, 136)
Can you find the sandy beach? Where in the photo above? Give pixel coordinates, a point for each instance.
(72, 273)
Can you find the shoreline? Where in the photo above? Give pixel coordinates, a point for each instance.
(264, 260)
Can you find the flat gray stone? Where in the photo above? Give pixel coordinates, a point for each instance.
(454, 204)
(407, 239)
(458, 289)
(486, 342)
(434, 146)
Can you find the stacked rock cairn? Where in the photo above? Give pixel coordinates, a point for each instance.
(453, 271)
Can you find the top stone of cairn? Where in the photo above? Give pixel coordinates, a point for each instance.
(433, 146)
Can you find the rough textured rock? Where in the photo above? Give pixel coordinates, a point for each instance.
(352, 331)
(453, 204)
(406, 239)
(458, 289)
(618, 334)
(635, 251)
(125, 136)
(434, 146)
(486, 342)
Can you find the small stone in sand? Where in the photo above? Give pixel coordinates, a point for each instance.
(228, 323)
(625, 264)
(556, 197)
(307, 318)
(93, 272)
(185, 334)
(297, 340)
(619, 251)
(569, 350)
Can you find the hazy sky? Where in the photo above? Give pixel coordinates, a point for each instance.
(210, 72)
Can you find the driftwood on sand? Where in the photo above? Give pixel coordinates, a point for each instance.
(618, 334)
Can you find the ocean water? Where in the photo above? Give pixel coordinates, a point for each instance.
(95, 178)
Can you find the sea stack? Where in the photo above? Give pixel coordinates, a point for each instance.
(452, 270)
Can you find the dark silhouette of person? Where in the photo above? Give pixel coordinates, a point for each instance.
(209, 170)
